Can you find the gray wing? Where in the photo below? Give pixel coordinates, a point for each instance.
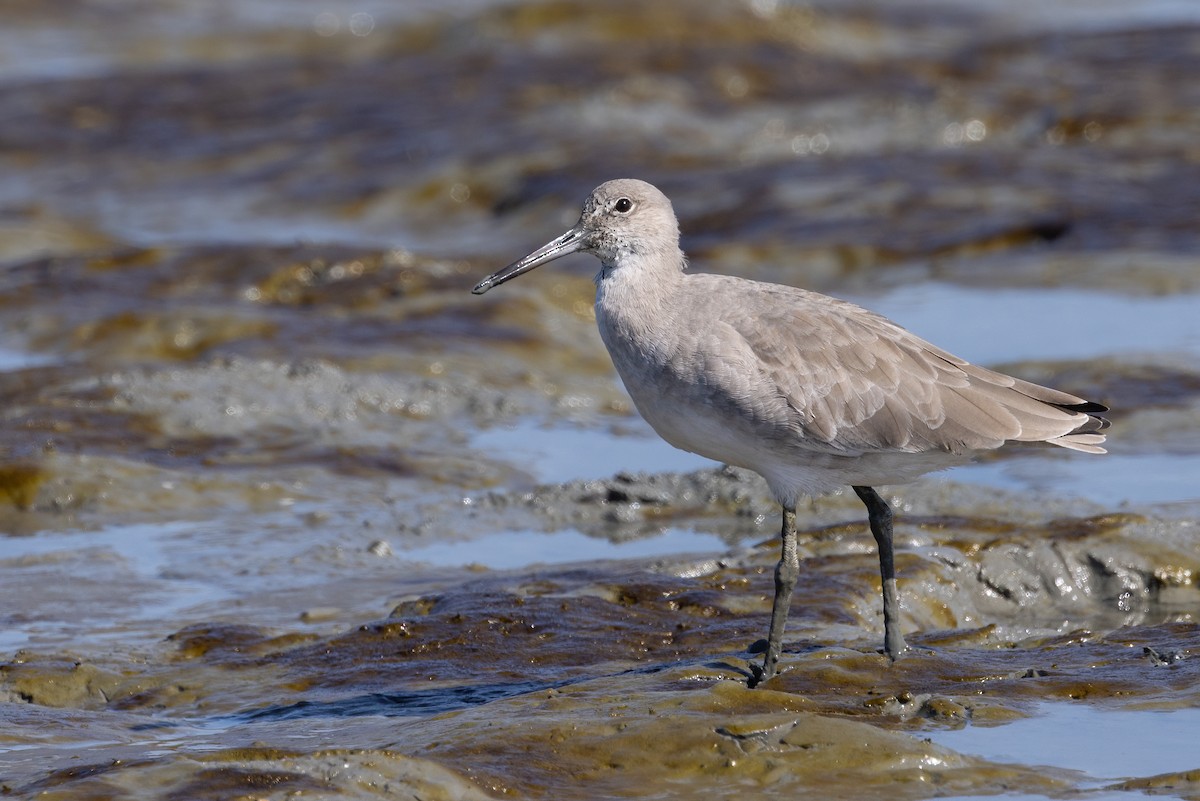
(840, 375)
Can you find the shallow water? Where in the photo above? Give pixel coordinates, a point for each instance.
(275, 487)
(1045, 324)
(508, 550)
(1106, 746)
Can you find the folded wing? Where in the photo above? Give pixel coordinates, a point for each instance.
(855, 382)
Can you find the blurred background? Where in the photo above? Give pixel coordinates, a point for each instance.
(242, 370)
(195, 198)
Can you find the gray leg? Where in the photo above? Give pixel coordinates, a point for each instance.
(880, 514)
(786, 573)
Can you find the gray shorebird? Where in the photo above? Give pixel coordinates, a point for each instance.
(811, 392)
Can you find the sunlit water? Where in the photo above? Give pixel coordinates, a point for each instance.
(505, 550)
(990, 326)
(1106, 745)
(11, 359)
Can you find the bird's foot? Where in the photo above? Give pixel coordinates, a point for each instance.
(759, 674)
(894, 653)
(893, 642)
(756, 675)
(768, 668)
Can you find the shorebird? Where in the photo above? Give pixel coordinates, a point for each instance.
(811, 392)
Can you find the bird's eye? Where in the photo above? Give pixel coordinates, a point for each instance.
(623, 205)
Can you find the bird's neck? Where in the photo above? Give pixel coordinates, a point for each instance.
(636, 295)
(643, 269)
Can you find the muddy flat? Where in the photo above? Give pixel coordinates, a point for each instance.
(285, 511)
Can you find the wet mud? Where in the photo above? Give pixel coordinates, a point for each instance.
(617, 678)
(255, 544)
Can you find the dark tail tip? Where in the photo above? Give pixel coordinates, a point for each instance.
(1093, 411)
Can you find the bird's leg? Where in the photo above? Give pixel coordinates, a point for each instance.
(880, 515)
(786, 573)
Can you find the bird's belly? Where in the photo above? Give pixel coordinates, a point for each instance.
(791, 466)
(695, 426)
(698, 429)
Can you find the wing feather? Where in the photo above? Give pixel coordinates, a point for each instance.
(849, 381)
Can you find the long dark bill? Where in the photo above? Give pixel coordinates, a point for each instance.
(570, 242)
